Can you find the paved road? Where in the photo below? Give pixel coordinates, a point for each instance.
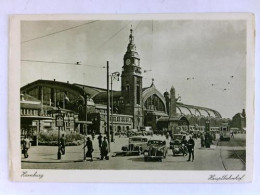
(45, 157)
(233, 152)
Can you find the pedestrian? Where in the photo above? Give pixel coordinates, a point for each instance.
(232, 134)
(93, 135)
(208, 140)
(202, 140)
(62, 144)
(100, 141)
(89, 146)
(25, 146)
(191, 145)
(167, 135)
(104, 149)
(184, 145)
(171, 135)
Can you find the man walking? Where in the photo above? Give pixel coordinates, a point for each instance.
(25, 146)
(89, 146)
(93, 135)
(232, 134)
(99, 142)
(62, 144)
(191, 145)
(104, 149)
(184, 145)
(202, 140)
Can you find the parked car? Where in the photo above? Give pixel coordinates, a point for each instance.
(177, 146)
(147, 130)
(156, 149)
(177, 138)
(131, 133)
(136, 144)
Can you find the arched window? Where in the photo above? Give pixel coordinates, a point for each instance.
(154, 103)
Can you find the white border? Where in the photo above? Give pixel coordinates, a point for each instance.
(121, 176)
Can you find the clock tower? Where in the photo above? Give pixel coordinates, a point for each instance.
(131, 86)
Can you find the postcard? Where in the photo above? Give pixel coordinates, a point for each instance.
(151, 98)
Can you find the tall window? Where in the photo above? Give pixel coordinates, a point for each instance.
(127, 90)
(138, 98)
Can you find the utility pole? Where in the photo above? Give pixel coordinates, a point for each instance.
(59, 124)
(86, 125)
(108, 106)
(112, 119)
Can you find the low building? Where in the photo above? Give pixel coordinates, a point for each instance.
(239, 121)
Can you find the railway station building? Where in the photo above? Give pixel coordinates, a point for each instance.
(134, 106)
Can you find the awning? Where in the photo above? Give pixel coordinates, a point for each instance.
(36, 117)
(84, 122)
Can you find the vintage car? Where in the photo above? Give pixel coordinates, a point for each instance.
(177, 146)
(132, 132)
(136, 144)
(147, 130)
(156, 149)
(177, 138)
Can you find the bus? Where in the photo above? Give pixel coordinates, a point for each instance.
(224, 132)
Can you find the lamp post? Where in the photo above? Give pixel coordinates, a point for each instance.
(207, 136)
(207, 128)
(114, 76)
(59, 124)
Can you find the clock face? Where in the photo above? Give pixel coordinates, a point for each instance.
(128, 61)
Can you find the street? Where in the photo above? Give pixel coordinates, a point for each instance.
(229, 155)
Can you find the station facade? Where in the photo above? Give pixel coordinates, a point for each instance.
(134, 106)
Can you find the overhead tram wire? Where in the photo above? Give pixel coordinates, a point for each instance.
(238, 66)
(40, 37)
(106, 41)
(137, 25)
(229, 81)
(68, 63)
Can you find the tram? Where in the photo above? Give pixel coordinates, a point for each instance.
(224, 132)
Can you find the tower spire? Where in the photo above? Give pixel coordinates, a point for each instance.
(131, 86)
(131, 37)
(152, 82)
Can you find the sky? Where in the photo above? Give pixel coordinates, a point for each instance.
(204, 60)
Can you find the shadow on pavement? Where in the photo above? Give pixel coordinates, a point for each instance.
(49, 162)
(137, 159)
(116, 154)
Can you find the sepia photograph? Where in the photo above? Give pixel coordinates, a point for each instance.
(126, 93)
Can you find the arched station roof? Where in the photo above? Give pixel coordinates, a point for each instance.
(150, 91)
(56, 85)
(198, 110)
